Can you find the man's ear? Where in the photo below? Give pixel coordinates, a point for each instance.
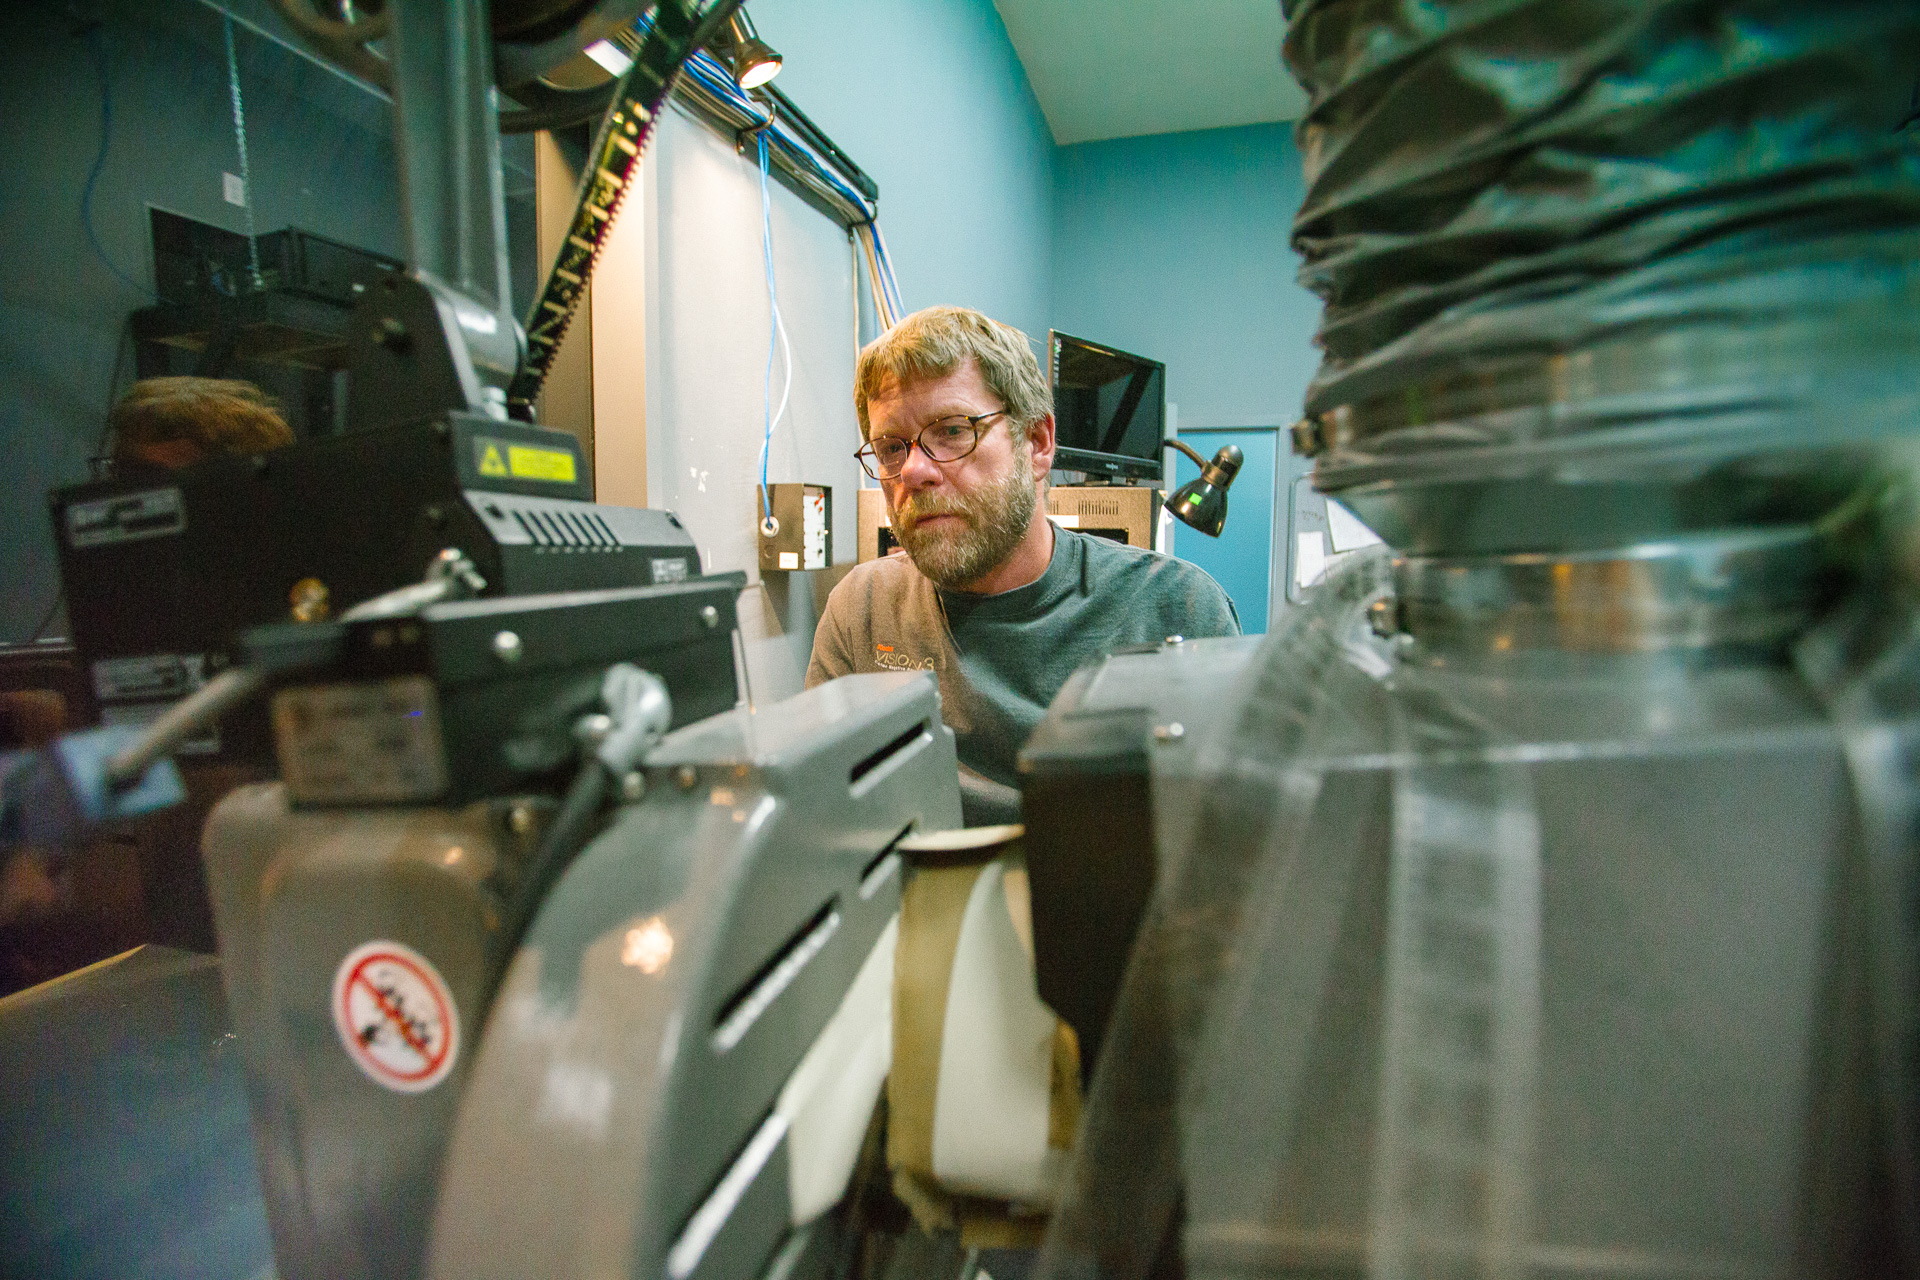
(1041, 436)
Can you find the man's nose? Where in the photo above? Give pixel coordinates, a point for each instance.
(919, 471)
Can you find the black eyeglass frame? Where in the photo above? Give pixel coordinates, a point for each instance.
(866, 451)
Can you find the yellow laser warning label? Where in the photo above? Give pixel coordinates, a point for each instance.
(500, 459)
(539, 464)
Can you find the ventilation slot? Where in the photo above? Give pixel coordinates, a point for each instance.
(588, 534)
(883, 867)
(744, 1007)
(886, 753)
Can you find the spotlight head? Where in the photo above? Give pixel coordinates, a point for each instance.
(1202, 501)
(752, 60)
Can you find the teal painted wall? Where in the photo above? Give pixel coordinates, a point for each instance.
(1176, 247)
(929, 97)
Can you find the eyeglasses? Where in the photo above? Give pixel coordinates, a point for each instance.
(948, 440)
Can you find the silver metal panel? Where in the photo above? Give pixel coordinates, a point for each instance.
(347, 1163)
(1535, 963)
(676, 975)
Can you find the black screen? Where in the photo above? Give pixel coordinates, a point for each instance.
(1108, 402)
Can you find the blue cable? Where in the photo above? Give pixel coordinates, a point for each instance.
(100, 162)
(774, 330)
(887, 280)
(716, 80)
(719, 82)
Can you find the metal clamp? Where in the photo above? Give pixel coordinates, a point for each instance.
(450, 576)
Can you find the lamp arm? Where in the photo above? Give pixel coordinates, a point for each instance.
(1174, 442)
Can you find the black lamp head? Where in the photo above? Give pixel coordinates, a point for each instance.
(1202, 501)
(752, 60)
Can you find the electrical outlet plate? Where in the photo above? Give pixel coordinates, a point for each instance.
(803, 535)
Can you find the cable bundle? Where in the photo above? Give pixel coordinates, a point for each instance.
(708, 87)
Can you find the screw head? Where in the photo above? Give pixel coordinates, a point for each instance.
(1306, 437)
(710, 616)
(507, 646)
(1384, 617)
(310, 601)
(392, 334)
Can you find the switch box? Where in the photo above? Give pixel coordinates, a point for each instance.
(803, 538)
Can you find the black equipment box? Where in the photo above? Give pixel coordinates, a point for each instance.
(480, 697)
(1112, 761)
(196, 263)
(164, 570)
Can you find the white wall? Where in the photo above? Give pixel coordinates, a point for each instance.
(706, 359)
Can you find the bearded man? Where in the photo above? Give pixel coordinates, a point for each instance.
(1000, 604)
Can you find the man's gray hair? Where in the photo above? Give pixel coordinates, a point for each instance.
(933, 343)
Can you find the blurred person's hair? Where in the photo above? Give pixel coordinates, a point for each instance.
(221, 415)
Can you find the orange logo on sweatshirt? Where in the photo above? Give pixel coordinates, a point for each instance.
(886, 658)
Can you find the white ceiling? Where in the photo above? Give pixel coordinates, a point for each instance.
(1121, 68)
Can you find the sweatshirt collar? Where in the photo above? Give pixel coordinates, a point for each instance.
(1062, 577)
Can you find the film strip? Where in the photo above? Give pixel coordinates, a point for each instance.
(611, 165)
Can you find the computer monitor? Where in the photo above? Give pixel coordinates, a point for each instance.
(1109, 409)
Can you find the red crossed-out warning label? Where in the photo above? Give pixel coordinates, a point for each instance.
(396, 1016)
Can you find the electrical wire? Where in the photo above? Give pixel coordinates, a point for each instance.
(240, 141)
(99, 52)
(887, 280)
(776, 332)
(715, 86)
(710, 86)
(716, 83)
(46, 619)
(886, 297)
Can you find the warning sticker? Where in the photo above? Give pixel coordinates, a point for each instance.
(395, 1016)
(540, 464)
(502, 459)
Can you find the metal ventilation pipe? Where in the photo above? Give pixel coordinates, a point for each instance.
(1661, 260)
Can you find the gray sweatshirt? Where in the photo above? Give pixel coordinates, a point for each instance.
(1000, 659)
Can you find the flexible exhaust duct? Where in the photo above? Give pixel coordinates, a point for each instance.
(1562, 921)
(1664, 257)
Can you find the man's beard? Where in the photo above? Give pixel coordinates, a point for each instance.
(994, 520)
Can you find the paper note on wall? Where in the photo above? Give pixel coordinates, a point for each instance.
(1309, 558)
